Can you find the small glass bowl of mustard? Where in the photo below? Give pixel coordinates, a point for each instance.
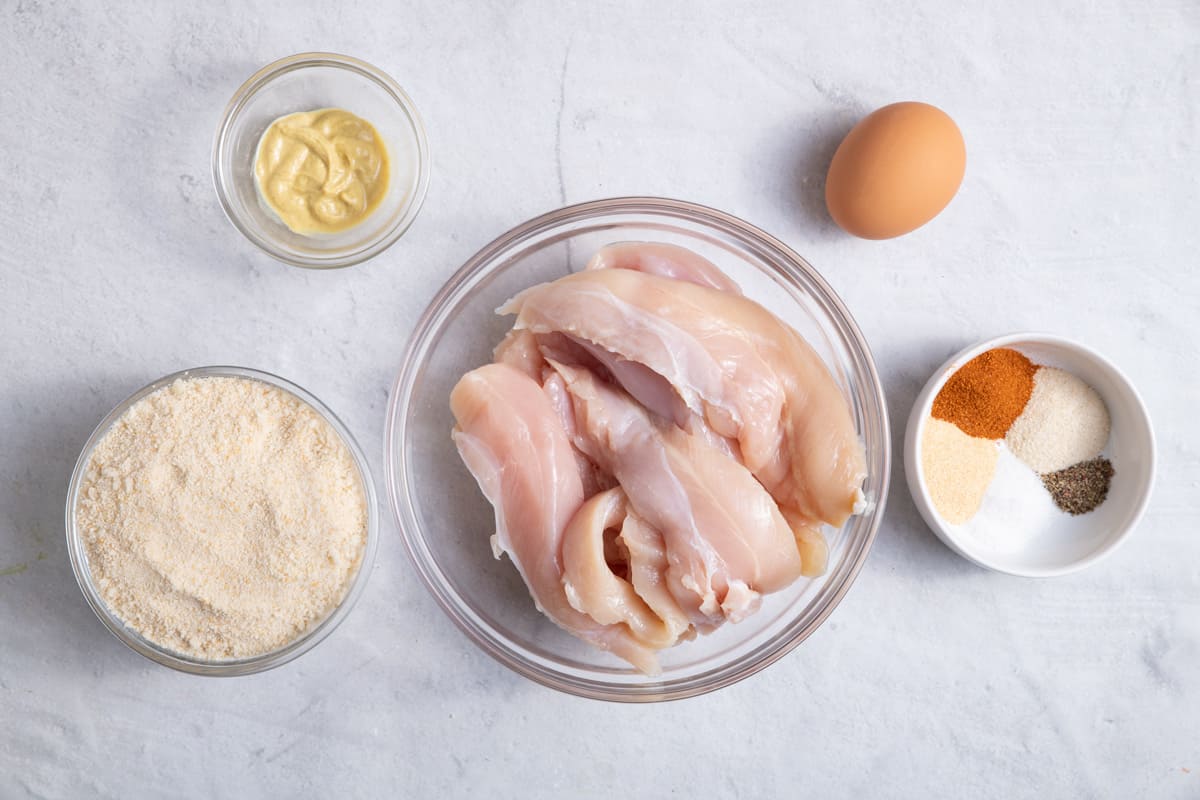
(313, 82)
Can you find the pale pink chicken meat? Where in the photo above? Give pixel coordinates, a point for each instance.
(735, 365)
(647, 556)
(523, 351)
(591, 476)
(513, 442)
(592, 585)
(727, 543)
(647, 387)
(659, 450)
(519, 349)
(664, 260)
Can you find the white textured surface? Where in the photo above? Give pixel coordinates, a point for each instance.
(1079, 215)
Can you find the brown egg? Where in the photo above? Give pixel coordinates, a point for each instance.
(895, 170)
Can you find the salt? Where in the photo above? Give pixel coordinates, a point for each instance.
(1015, 506)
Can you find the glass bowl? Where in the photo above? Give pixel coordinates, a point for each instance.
(245, 666)
(306, 82)
(445, 521)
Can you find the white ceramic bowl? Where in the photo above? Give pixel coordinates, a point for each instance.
(1047, 545)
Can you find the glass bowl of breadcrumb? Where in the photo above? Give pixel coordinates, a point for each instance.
(221, 521)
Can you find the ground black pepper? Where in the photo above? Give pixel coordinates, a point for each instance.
(1081, 487)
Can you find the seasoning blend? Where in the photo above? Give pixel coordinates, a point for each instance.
(958, 469)
(1080, 488)
(1064, 423)
(1011, 440)
(987, 395)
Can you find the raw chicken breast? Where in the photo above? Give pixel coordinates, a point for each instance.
(512, 441)
(585, 309)
(660, 451)
(738, 367)
(647, 556)
(726, 541)
(664, 260)
(595, 589)
(591, 476)
(522, 350)
(519, 349)
(645, 385)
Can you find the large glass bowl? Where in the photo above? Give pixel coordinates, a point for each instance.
(445, 520)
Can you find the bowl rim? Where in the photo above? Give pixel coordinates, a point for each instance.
(264, 77)
(922, 409)
(396, 472)
(243, 666)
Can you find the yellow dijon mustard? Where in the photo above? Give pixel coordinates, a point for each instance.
(321, 171)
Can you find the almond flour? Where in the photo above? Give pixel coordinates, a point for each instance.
(222, 517)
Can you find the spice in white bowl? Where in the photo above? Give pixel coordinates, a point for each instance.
(1025, 525)
(958, 469)
(1065, 422)
(1001, 405)
(1082, 487)
(222, 517)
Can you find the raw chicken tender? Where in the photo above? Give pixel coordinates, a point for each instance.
(664, 260)
(660, 451)
(511, 440)
(736, 366)
(647, 565)
(726, 541)
(594, 588)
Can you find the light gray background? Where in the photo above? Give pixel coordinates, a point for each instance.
(1078, 216)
